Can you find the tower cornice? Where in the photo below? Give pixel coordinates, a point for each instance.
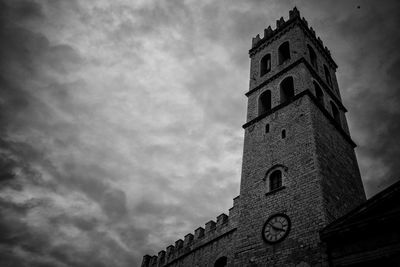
(304, 93)
(315, 75)
(282, 26)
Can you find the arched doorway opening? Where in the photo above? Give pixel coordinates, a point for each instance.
(221, 262)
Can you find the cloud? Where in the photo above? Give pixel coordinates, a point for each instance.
(117, 119)
(371, 89)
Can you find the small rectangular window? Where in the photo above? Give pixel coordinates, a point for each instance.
(267, 128)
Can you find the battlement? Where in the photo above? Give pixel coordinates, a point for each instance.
(201, 236)
(294, 17)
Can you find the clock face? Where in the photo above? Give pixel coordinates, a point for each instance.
(276, 228)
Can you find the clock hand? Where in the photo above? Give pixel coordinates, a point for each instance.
(276, 228)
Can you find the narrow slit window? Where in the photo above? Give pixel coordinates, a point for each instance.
(283, 134)
(267, 128)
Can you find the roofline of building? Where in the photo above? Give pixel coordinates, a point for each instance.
(306, 92)
(281, 27)
(200, 246)
(336, 226)
(315, 75)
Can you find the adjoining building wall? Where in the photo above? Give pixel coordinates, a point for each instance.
(369, 235)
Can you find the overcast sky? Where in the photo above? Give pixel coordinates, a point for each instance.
(120, 121)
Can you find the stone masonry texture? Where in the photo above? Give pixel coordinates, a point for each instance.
(320, 176)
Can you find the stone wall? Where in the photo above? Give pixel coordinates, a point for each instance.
(320, 182)
(342, 187)
(300, 198)
(204, 246)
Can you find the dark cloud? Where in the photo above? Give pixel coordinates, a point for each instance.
(6, 169)
(116, 120)
(16, 232)
(32, 73)
(16, 11)
(371, 88)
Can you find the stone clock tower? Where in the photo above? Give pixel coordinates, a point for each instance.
(299, 168)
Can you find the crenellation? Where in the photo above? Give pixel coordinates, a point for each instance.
(294, 13)
(268, 32)
(188, 240)
(146, 261)
(161, 254)
(161, 257)
(202, 236)
(327, 50)
(255, 40)
(320, 41)
(222, 220)
(178, 244)
(210, 227)
(198, 233)
(312, 31)
(305, 21)
(153, 261)
(280, 23)
(170, 252)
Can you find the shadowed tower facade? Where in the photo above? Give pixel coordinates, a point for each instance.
(299, 170)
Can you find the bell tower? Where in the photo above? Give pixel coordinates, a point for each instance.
(299, 169)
